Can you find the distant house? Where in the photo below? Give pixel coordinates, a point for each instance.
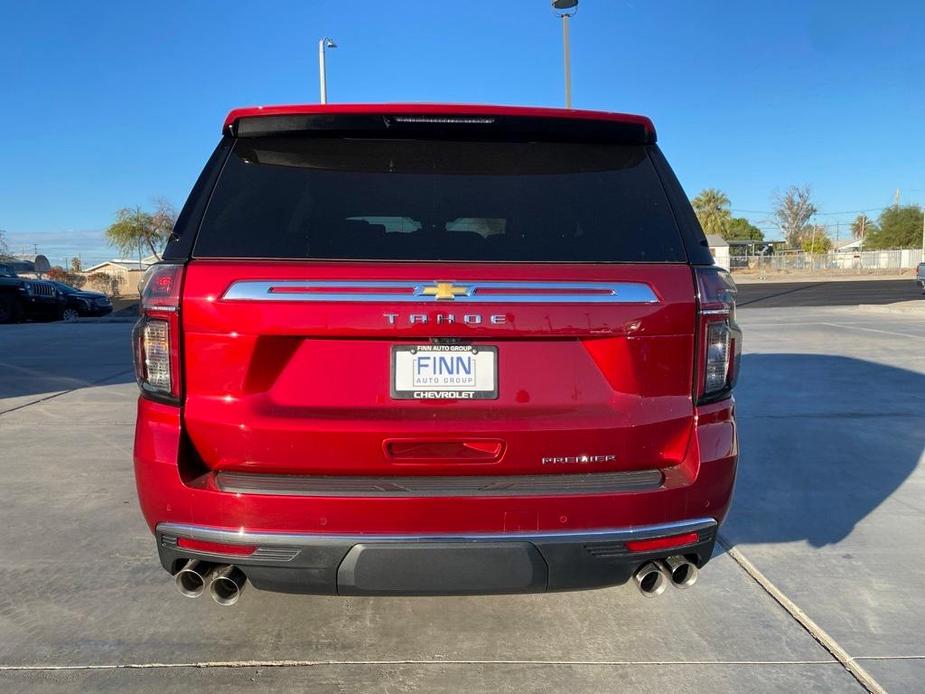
(849, 246)
(126, 273)
(719, 247)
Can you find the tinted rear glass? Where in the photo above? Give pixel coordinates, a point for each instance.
(391, 199)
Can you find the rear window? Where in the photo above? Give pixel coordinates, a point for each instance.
(393, 199)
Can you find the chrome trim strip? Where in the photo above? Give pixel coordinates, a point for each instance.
(642, 532)
(557, 484)
(559, 292)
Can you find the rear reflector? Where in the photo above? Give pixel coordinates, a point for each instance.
(662, 542)
(214, 547)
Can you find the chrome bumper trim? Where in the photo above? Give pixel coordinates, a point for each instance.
(223, 536)
(558, 484)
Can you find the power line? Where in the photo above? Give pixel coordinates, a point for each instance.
(821, 214)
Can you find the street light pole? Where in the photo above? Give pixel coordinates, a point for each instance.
(322, 72)
(565, 9)
(567, 59)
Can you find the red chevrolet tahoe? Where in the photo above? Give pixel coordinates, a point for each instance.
(431, 350)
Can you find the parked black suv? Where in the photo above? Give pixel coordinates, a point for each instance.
(78, 303)
(22, 298)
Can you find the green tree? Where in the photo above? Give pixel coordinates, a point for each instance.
(792, 211)
(862, 226)
(75, 264)
(740, 229)
(814, 239)
(138, 231)
(899, 226)
(712, 209)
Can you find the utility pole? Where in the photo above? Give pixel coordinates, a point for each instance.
(565, 9)
(896, 198)
(863, 236)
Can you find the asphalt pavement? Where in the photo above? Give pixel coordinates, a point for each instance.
(832, 293)
(828, 511)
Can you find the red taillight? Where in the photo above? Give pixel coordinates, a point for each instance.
(719, 340)
(662, 542)
(156, 336)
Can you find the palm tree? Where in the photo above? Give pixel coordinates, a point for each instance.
(712, 208)
(861, 226)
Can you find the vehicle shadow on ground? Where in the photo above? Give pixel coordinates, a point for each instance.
(824, 441)
(46, 358)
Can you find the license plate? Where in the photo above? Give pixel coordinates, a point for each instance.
(444, 372)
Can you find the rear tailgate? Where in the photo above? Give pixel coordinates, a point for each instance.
(305, 386)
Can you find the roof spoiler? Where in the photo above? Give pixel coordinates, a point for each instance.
(439, 120)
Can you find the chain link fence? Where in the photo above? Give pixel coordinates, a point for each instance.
(847, 262)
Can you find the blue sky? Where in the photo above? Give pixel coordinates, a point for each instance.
(110, 104)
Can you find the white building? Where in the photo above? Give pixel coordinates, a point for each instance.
(719, 248)
(126, 273)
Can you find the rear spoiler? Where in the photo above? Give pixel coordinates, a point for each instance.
(508, 123)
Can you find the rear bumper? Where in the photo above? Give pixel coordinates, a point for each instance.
(492, 543)
(436, 565)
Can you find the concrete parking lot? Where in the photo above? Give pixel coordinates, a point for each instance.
(829, 514)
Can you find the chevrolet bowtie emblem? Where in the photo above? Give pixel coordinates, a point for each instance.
(445, 291)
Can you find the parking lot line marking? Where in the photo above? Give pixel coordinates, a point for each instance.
(890, 657)
(864, 678)
(849, 326)
(321, 663)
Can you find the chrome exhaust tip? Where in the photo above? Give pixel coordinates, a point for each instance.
(683, 573)
(193, 576)
(651, 579)
(227, 584)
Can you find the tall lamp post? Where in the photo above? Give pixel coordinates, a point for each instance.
(322, 72)
(566, 9)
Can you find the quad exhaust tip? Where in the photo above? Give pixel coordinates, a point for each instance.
(683, 573)
(651, 579)
(227, 584)
(193, 577)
